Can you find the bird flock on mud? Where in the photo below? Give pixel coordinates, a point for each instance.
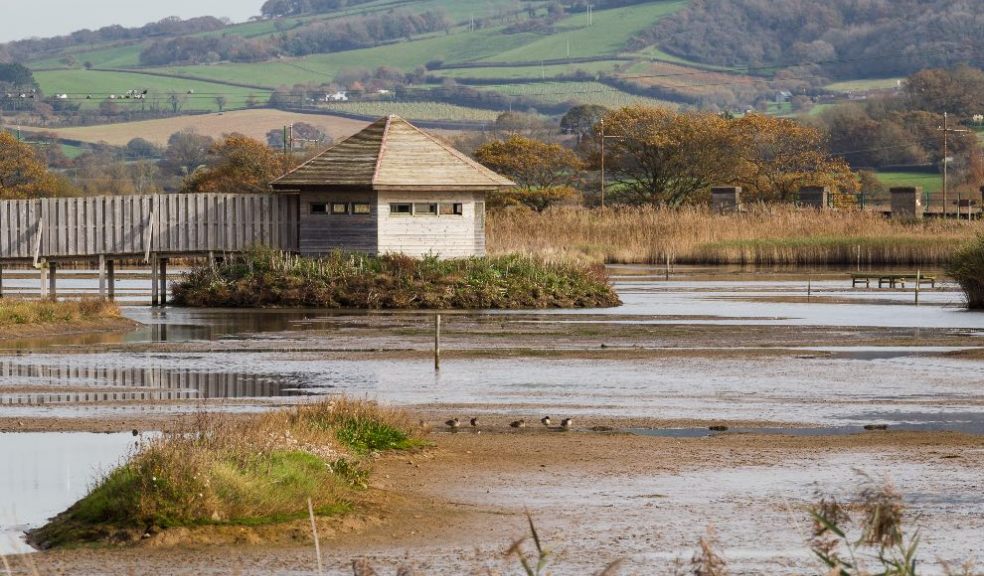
(455, 424)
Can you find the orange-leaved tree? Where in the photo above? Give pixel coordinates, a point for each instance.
(778, 156)
(22, 172)
(237, 164)
(656, 155)
(544, 173)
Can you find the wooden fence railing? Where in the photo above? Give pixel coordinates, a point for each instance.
(136, 226)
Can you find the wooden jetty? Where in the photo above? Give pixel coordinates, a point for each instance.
(46, 232)
(892, 279)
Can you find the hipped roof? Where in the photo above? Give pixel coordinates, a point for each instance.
(391, 153)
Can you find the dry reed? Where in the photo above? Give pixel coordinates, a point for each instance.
(763, 235)
(45, 312)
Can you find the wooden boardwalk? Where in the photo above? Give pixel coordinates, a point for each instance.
(154, 227)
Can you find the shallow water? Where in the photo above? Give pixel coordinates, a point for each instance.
(45, 473)
(244, 357)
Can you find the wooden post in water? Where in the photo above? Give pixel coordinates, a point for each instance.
(667, 266)
(437, 342)
(1, 279)
(162, 282)
(153, 282)
(809, 288)
(52, 282)
(859, 257)
(111, 279)
(918, 282)
(43, 277)
(102, 276)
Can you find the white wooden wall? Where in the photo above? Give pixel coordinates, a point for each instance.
(449, 236)
(133, 225)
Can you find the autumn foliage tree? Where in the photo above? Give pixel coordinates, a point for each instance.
(237, 164)
(22, 172)
(544, 173)
(778, 156)
(656, 155)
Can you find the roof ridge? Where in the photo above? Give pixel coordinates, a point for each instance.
(382, 149)
(483, 170)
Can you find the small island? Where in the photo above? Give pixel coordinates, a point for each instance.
(270, 279)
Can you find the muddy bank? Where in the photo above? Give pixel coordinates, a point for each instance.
(11, 336)
(457, 507)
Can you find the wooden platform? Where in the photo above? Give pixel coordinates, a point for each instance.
(47, 232)
(79, 229)
(893, 280)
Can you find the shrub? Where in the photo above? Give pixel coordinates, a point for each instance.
(265, 278)
(967, 268)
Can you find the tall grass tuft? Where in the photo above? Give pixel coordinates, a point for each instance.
(45, 312)
(265, 278)
(967, 267)
(763, 235)
(218, 470)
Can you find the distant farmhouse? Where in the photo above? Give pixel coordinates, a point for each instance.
(392, 188)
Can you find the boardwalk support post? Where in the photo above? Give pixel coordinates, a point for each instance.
(111, 278)
(153, 282)
(102, 276)
(52, 281)
(162, 282)
(1, 279)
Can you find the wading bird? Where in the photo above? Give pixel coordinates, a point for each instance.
(545, 420)
(566, 423)
(518, 424)
(453, 423)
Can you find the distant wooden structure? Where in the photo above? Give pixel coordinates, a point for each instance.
(726, 199)
(392, 188)
(389, 188)
(153, 228)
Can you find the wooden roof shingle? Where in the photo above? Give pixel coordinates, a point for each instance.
(391, 153)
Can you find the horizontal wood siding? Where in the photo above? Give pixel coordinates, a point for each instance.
(128, 225)
(324, 233)
(445, 236)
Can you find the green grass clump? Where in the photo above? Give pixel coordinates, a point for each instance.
(966, 266)
(270, 279)
(47, 312)
(224, 471)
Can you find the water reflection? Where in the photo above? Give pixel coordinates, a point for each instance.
(44, 473)
(72, 383)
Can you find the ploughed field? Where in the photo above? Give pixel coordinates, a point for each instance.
(794, 364)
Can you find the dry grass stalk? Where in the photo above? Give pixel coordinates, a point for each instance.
(707, 561)
(765, 235)
(43, 312)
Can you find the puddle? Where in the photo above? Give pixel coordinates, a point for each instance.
(45, 473)
(972, 427)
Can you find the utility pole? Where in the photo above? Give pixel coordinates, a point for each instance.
(946, 159)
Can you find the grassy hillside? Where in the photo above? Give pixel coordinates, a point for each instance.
(478, 40)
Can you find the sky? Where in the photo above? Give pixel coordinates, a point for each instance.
(26, 18)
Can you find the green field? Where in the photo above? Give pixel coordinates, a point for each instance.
(931, 183)
(576, 92)
(533, 71)
(415, 110)
(608, 34)
(79, 84)
(864, 84)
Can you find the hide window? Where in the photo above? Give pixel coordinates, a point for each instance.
(452, 209)
(425, 209)
(319, 208)
(401, 209)
(339, 208)
(361, 208)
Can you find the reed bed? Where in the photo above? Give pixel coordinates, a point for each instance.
(47, 312)
(762, 235)
(219, 470)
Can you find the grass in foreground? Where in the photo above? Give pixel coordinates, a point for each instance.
(242, 472)
(967, 268)
(764, 235)
(46, 312)
(271, 279)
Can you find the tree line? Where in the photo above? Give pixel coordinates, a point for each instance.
(23, 50)
(833, 39)
(312, 38)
